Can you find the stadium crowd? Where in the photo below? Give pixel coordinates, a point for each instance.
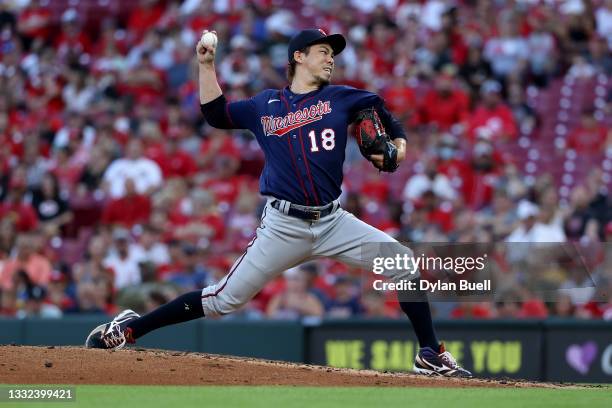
(114, 192)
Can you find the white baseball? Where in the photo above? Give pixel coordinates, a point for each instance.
(209, 40)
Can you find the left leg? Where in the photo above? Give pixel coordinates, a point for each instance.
(350, 240)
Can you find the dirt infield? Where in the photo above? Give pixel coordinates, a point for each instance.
(77, 365)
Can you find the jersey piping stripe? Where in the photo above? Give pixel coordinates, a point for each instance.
(237, 263)
(227, 113)
(297, 173)
(314, 190)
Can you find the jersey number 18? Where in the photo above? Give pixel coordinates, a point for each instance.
(328, 140)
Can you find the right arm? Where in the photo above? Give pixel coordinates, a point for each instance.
(209, 87)
(214, 106)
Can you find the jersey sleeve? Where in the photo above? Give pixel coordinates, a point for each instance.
(359, 99)
(242, 114)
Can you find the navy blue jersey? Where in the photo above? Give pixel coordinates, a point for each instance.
(303, 137)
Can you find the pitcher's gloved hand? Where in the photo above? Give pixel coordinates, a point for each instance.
(373, 140)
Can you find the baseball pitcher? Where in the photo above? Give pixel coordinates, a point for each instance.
(302, 130)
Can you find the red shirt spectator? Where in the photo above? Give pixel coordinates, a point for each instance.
(400, 99)
(23, 215)
(444, 106)
(173, 161)
(144, 17)
(589, 137)
(35, 21)
(492, 119)
(129, 210)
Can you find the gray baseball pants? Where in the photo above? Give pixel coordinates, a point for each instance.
(284, 241)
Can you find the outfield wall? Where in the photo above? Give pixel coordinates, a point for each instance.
(550, 350)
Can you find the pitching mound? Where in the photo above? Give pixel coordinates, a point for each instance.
(77, 365)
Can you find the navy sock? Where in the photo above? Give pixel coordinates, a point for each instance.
(420, 317)
(182, 309)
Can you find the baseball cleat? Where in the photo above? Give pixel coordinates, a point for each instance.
(114, 334)
(430, 362)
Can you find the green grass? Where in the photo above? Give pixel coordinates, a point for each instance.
(315, 397)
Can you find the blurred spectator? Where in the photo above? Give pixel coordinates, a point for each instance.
(72, 41)
(508, 52)
(91, 177)
(192, 275)
(15, 209)
(432, 180)
(36, 266)
(150, 247)
(599, 55)
(201, 220)
(295, 301)
(79, 92)
(603, 21)
(52, 207)
(502, 216)
(145, 172)
(123, 260)
(445, 105)
(374, 305)
(475, 71)
(240, 67)
(173, 161)
(37, 306)
(590, 136)
(34, 22)
(142, 17)
(492, 118)
(580, 212)
(94, 270)
(534, 227)
(129, 210)
(346, 300)
(542, 51)
(524, 115)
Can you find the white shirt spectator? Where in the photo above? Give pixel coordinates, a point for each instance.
(505, 54)
(127, 270)
(420, 183)
(539, 233)
(541, 49)
(369, 6)
(145, 173)
(78, 100)
(603, 18)
(157, 254)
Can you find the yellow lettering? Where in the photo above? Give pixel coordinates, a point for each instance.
(513, 356)
(336, 353)
(479, 352)
(495, 356)
(379, 355)
(356, 354)
(396, 356)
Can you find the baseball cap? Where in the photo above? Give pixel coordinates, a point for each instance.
(306, 38)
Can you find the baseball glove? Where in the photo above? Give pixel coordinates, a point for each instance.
(372, 139)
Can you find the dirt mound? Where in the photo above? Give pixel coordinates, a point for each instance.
(77, 365)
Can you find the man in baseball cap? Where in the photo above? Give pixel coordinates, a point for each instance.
(299, 48)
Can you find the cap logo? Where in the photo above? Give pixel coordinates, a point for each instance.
(322, 32)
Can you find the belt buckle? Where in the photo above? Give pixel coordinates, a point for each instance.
(316, 215)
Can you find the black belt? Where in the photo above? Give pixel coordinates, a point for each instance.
(306, 213)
